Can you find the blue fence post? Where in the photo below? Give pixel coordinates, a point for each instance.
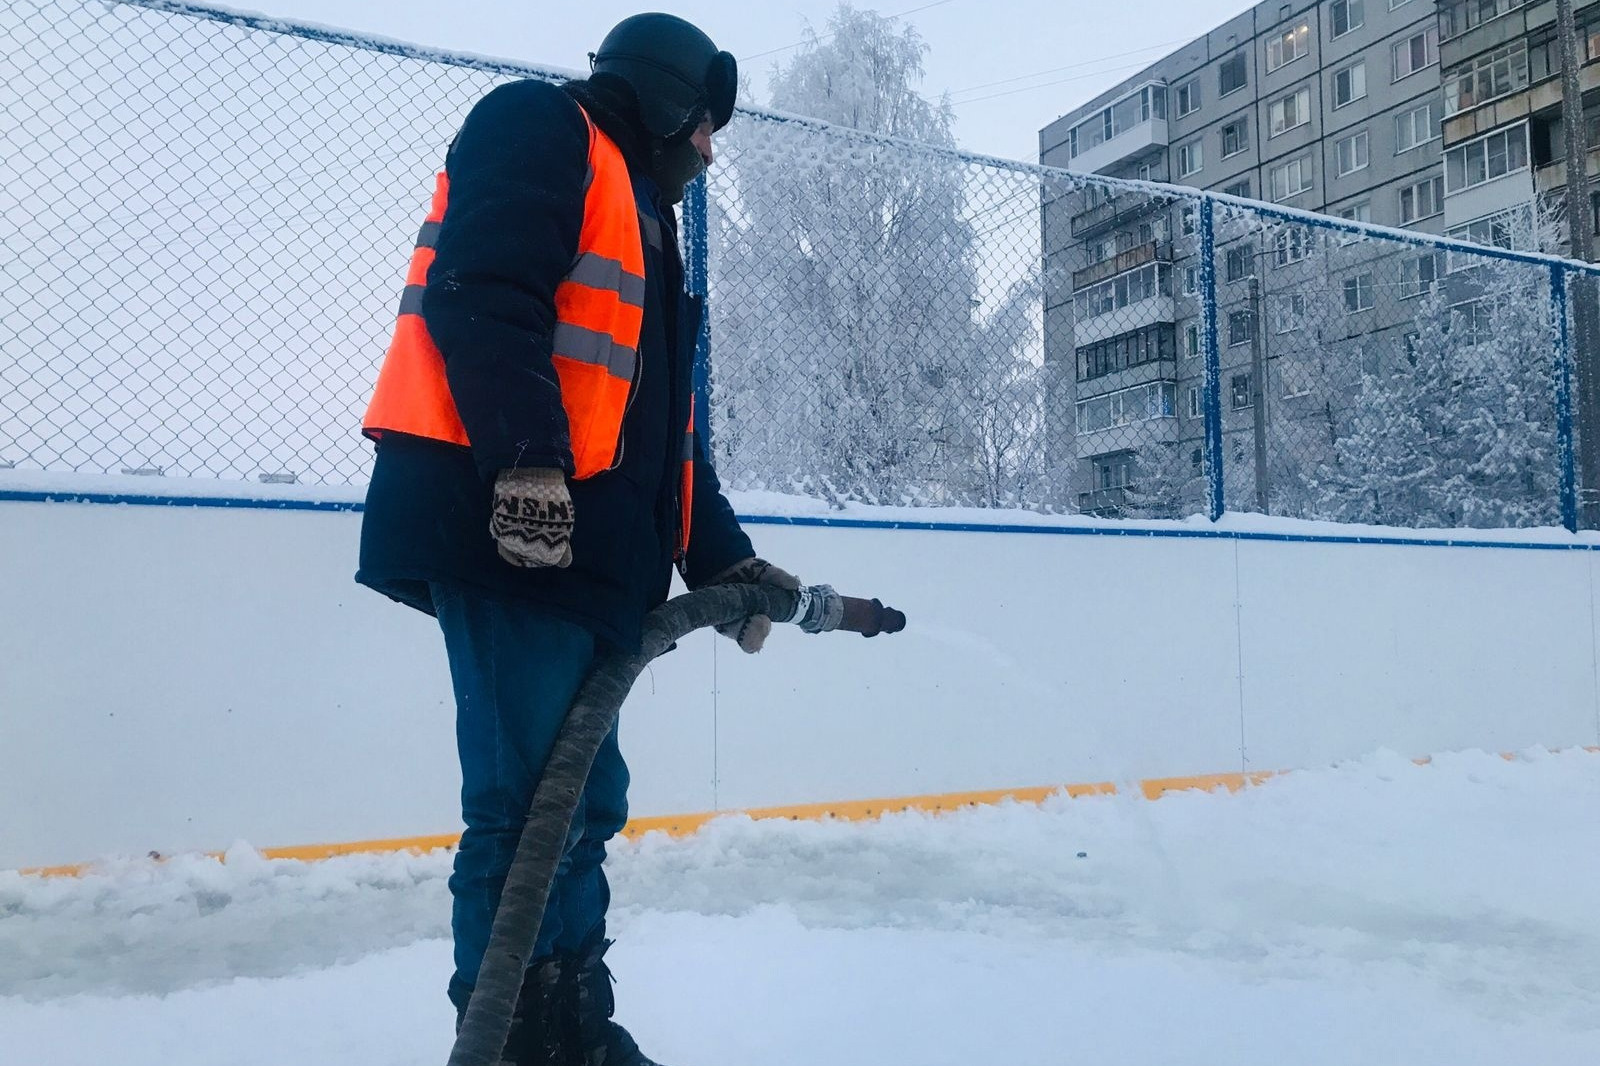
(1560, 307)
(698, 238)
(1211, 390)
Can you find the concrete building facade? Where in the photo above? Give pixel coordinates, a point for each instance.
(1333, 106)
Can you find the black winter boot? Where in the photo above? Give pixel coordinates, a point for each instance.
(535, 1036)
(584, 991)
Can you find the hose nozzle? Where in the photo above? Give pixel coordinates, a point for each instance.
(819, 609)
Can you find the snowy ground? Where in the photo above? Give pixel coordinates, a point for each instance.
(1376, 913)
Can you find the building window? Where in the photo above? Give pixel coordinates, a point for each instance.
(1397, 3)
(1239, 328)
(1288, 312)
(1346, 15)
(1289, 112)
(1291, 246)
(1142, 403)
(1422, 200)
(1233, 74)
(1358, 212)
(1350, 84)
(1288, 46)
(1239, 188)
(1126, 350)
(1187, 221)
(1191, 340)
(1114, 471)
(1145, 172)
(1409, 344)
(1472, 322)
(1414, 127)
(1191, 280)
(1358, 294)
(1191, 158)
(1495, 231)
(1188, 98)
(1235, 138)
(1352, 153)
(1487, 158)
(1241, 392)
(1489, 77)
(1459, 16)
(1414, 53)
(1417, 274)
(1240, 262)
(1291, 179)
(1194, 401)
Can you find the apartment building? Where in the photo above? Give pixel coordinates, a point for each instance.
(1503, 136)
(1333, 106)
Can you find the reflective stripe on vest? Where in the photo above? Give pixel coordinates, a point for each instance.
(686, 490)
(595, 342)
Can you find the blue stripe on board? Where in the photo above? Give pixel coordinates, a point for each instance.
(133, 500)
(823, 522)
(1180, 534)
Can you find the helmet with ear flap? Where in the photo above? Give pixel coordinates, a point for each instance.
(722, 87)
(675, 71)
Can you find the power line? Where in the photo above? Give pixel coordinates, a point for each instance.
(1069, 66)
(825, 36)
(1047, 84)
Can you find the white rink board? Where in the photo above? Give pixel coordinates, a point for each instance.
(185, 677)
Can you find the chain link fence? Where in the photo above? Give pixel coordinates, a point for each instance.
(208, 217)
(207, 226)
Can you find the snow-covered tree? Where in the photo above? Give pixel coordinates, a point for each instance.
(851, 359)
(1461, 430)
(1168, 482)
(1448, 421)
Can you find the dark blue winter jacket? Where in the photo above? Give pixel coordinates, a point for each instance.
(509, 235)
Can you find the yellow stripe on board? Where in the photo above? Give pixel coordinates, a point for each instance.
(681, 825)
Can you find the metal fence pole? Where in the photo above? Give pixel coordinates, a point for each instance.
(1560, 307)
(1211, 398)
(1258, 393)
(696, 224)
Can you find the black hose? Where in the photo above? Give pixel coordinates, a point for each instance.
(487, 1021)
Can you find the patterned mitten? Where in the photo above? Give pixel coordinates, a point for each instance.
(751, 633)
(532, 518)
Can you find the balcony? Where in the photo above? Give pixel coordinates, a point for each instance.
(1136, 140)
(1551, 178)
(1150, 311)
(1104, 503)
(1515, 189)
(1129, 126)
(1112, 212)
(1150, 252)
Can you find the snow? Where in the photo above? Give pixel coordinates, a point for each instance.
(1375, 912)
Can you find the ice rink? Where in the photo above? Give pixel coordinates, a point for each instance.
(1377, 912)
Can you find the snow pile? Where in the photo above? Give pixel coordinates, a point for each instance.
(1379, 912)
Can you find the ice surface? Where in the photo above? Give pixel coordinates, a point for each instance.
(1379, 912)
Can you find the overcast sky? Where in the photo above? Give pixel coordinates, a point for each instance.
(1011, 66)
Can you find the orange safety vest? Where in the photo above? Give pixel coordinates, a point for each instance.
(595, 344)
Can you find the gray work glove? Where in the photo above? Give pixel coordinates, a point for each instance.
(751, 633)
(531, 520)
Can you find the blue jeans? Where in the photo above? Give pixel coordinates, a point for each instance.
(515, 670)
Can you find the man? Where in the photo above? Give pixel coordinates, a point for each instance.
(536, 476)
